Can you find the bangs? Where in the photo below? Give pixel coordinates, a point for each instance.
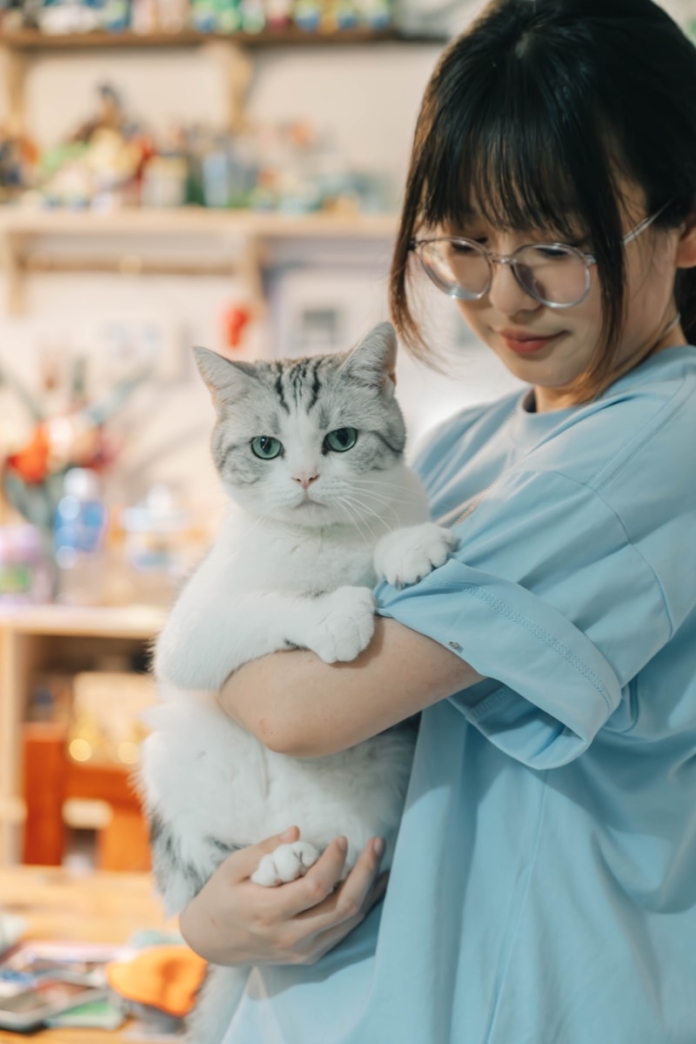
(515, 181)
(501, 145)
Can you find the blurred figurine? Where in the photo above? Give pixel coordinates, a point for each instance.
(278, 14)
(76, 437)
(307, 14)
(110, 115)
(102, 161)
(253, 16)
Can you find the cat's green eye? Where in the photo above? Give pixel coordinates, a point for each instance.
(341, 440)
(266, 447)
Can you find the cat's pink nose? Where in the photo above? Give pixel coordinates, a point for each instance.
(305, 480)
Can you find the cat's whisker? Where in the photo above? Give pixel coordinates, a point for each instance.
(386, 497)
(382, 484)
(380, 518)
(385, 502)
(375, 485)
(352, 519)
(360, 508)
(367, 498)
(392, 504)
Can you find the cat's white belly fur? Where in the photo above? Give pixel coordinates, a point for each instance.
(228, 788)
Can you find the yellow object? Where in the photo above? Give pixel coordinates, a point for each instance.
(166, 977)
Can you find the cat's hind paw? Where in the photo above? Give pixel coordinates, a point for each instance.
(285, 863)
(407, 555)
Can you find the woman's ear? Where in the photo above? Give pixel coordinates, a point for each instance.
(686, 247)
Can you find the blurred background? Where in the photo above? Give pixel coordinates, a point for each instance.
(173, 173)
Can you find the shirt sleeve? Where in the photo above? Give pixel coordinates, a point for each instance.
(548, 596)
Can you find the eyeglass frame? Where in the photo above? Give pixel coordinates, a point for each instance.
(510, 259)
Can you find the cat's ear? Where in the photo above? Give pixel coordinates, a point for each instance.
(373, 361)
(227, 381)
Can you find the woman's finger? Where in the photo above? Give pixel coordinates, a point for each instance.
(330, 937)
(347, 900)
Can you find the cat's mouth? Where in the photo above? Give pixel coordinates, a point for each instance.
(310, 508)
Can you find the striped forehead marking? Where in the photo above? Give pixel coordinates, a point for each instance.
(299, 382)
(278, 385)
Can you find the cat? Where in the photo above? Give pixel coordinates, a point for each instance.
(311, 454)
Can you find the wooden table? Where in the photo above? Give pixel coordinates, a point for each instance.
(96, 907)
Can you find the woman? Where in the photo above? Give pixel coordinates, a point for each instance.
(543, 887)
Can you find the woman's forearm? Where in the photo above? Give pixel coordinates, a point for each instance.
(296, 704)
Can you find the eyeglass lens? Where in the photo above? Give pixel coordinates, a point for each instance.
(551, 274)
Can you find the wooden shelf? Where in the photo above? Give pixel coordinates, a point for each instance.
(137, 622)
(193, 221)
(35, 40)
(238, 236)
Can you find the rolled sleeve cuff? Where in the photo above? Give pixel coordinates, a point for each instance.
(556, 688)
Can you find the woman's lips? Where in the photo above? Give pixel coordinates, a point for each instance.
(526, 345)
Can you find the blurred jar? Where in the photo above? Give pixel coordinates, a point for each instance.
(78, 536)
(157, 544)
(25, 570)
(164, 181)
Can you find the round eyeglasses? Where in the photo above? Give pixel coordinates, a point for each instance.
(555, 274)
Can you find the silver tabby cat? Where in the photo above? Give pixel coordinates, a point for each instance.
(322, 505)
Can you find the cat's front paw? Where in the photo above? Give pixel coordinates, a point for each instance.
(407, 555)
(344, 625)
(286, 863)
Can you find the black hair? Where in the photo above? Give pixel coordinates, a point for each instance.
(537, 113)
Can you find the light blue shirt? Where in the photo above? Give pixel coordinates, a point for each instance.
(544, 883)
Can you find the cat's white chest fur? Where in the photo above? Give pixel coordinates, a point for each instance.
(271, 556)
(266, 585)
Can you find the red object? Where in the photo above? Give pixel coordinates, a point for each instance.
(32, 462)
(235, 321)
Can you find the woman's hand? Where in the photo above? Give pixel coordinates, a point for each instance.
(234, 921)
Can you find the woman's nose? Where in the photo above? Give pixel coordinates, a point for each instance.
(506, 295)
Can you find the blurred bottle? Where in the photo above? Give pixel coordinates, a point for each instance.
(78, 535)
(158, 544)
(144, 16)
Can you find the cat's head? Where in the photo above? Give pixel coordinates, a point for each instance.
(302, 440)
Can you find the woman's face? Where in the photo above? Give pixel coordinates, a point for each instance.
(508, 319)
